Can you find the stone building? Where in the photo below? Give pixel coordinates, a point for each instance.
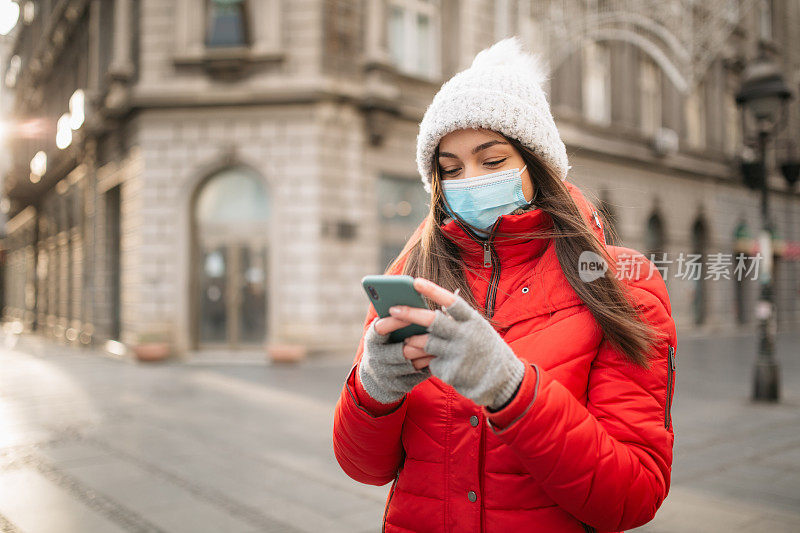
(225, 172)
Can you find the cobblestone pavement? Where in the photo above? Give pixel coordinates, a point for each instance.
(91, 443)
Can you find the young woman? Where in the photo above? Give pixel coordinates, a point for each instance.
(539, 400)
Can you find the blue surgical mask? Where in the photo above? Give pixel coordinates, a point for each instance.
(480, 200)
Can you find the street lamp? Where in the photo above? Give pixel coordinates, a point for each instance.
(763, 96)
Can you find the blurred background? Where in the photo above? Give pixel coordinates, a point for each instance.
(206, 182)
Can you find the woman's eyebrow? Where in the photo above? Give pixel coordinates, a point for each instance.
(475, 150)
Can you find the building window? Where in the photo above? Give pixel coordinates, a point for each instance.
(414, 36)
(597, 83)
(226, 23)
(699, 246)
(696, 117)
(650, 92)
(731, 12)
(226, 36)
(502, 19)
(402, 206)
(765, 20)
(733, 125)
(655, 236)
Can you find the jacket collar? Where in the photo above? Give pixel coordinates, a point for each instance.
(509, 250)
(513, 250)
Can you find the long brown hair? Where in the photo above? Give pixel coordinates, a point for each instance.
(429, 254)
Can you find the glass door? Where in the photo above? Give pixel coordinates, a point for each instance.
(230, 235)
(213, 284)
(252, 302)
(233, 295)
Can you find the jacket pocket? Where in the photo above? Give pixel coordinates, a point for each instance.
(670, 385)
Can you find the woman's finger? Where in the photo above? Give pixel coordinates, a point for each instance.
(416, 315)
(418, 356)
(422, 362)
(438, 294)
(417, 340)
(413, 352)
(388, 324)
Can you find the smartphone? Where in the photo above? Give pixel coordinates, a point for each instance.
(384, 291)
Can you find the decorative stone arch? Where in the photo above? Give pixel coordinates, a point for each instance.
(187, 196)
(668, 32)
(672, 70)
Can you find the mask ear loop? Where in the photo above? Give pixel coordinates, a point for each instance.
(535, 188)
(535, 194)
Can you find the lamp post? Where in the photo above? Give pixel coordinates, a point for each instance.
(762, 97)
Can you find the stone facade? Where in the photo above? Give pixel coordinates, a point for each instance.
(105, 245)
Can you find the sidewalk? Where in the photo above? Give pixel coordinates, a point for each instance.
(737, 463)
(96, 444)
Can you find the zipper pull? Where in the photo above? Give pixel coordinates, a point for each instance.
(672, 357)
(487, 256)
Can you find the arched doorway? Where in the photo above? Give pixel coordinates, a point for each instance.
(655, 238)
(230, 221)
(700, 247)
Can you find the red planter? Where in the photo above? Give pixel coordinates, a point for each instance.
(286, 353)
(152, 351)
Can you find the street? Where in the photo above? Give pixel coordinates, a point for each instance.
(90, 443)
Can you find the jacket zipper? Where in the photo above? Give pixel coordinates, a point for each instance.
(670, 373)
(389, 501)
(490, 260)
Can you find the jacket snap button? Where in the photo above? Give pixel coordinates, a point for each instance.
(524, 290)
(472, 496)
(473, 420)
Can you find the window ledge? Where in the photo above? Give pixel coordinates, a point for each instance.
(384, 64)
(227, 58)
(415, 77)
(630, 146)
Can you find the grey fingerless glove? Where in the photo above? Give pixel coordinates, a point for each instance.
(385, 373)
(471, 356)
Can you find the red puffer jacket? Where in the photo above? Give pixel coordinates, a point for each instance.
(586, 443)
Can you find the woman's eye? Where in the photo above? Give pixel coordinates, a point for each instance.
(491, 163)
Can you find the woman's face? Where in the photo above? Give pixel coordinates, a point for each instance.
(466, 153)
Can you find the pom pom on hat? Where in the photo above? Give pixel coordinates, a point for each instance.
(509, 53)
(502, 90)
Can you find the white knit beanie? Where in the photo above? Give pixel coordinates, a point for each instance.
(502, 91)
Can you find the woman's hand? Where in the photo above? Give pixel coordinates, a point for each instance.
(388, 370)
(385, 373)
(461, 348)
(414, 349)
